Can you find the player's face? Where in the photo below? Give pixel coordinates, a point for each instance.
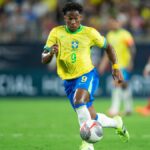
(113, 24)
(73, 19)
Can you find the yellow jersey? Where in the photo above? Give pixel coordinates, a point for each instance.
(74, 57)
(121, 40)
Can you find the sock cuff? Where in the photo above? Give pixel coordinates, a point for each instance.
(78, 105)
(96, 118)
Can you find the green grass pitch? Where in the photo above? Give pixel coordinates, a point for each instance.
(43, 124)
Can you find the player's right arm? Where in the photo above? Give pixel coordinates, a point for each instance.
(48, 55)
(50, 48)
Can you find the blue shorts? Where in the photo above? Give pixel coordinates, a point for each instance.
(88, 81)
(126, 74)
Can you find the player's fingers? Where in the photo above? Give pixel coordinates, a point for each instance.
(113, 76)
(117, 76)
(55, 48)
(120, 78)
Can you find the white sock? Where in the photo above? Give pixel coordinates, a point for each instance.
(128, 100)
(116, 99)
(83, 114)
(106, 121)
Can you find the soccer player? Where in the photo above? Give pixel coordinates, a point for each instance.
(71, 44)
(123, 43)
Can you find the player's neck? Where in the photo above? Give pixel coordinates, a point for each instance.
(73, 32)
(117, 29)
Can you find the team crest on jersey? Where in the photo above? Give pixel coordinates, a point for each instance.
(75, 44)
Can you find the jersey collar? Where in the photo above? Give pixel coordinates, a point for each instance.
(78, 30)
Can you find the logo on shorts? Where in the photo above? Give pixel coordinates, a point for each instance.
(84, 79)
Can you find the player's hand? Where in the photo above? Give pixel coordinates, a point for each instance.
(117, 75)
(54, 49)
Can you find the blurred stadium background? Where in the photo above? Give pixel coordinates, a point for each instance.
(29, 123)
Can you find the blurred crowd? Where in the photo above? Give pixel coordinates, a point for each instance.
(31, 20)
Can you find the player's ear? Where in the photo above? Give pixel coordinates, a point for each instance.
(65, 17)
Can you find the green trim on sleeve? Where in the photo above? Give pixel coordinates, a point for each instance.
(105, 43)
(47, 48)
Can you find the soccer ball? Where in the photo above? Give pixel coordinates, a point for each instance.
(91, 131)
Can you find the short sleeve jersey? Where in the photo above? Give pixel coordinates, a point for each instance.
(74, 56)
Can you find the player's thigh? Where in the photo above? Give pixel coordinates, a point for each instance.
(81, 96)
(89, 82)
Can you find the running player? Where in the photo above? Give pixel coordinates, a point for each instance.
(123, 43)
(71, 44)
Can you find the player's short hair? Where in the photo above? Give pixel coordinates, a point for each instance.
(72, 6)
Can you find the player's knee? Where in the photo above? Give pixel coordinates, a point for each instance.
(81, 96)
(78, 101)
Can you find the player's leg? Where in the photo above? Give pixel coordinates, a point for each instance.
(103, 119)
(84, 93)
(77, 97)
(128, 100)
(108, 122)
(127, 93)
(81, 97)
(124, 93)
(115, 101)
(85, 85)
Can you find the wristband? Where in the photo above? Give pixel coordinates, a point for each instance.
(115, 66)
(47, 48)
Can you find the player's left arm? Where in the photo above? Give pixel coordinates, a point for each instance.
(111, 56)
(116, 73)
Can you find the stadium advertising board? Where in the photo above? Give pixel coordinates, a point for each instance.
(21, 73)
(14, 84)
